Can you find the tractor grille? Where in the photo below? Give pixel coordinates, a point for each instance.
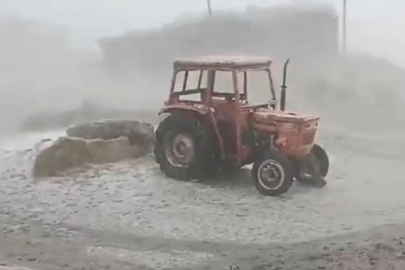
(308, 138)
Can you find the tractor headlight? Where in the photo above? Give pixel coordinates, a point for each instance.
(311, 125)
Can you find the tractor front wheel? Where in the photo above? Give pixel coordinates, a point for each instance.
(272, 174)
(313, 168)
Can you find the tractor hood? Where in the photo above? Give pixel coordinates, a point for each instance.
(295, 131)
(267, 116)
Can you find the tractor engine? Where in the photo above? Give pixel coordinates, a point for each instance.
(294, 134)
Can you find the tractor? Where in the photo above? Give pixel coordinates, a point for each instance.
(217, 132)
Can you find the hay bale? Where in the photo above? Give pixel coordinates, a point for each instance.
(68, 153)
(138, 133)
(96, 143)
(65, 153)
(110, 129)
(106, 151)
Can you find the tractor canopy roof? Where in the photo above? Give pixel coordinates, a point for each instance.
(223, 63)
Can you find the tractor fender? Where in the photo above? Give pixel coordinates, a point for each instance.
(200, 109)
(201, 112)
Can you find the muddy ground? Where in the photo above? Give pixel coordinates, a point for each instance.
(129, 216)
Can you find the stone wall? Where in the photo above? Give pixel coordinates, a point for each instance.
(280, 32)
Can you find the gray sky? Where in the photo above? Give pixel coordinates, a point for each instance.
(374, 26)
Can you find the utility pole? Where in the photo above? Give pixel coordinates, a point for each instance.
(344, 27)
(209, 8)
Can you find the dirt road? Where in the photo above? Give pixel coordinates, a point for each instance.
(130, 215)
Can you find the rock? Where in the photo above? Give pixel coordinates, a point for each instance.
(138, 133)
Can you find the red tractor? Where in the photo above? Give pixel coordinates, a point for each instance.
(220, 131)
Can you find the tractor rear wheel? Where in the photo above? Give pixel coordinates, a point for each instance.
(272, 174)
(183, 148)
(313, 168)
(322, 157)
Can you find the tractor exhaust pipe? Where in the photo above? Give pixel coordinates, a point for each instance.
(284, 87)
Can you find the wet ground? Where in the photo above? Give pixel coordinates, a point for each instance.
(130, 215)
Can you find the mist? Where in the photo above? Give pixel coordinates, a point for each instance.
(76, 194)
(52, 62)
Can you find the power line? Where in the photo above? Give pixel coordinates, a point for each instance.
(344, 27)
(209, 8)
